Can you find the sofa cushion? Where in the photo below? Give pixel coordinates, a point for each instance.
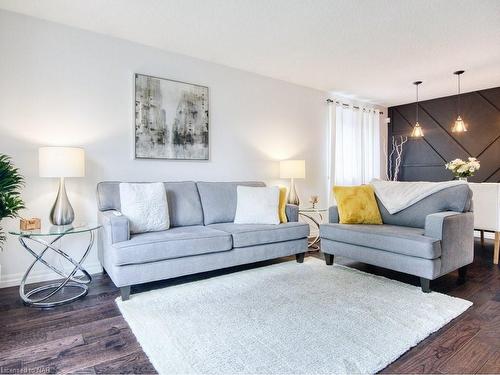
(258, 234)
(393, 238)
(257, 205)
(219, 200)
(456, 198)
(145, 206)
(183, 201)
(357, 205)
(173, 243)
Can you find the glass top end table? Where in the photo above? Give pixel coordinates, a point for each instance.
(54, 294)
(55, 230)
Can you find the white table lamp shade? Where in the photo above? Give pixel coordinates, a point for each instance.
(293, 169)
(61, 162)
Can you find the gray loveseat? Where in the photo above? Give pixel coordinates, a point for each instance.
(428, 239)
(202, 236)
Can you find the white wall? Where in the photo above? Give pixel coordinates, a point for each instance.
(69, 87)
(64, 86)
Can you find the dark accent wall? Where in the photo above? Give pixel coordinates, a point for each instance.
(424, 159)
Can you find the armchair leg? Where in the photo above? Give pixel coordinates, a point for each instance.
(462, 274)
(125, 292)
(300, 257)
(329, 259)
(425, 284)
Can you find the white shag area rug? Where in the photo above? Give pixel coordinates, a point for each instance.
(286, 318)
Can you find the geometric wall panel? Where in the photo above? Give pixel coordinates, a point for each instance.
(424, 158)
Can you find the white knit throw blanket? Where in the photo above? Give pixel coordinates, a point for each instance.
(397, 195)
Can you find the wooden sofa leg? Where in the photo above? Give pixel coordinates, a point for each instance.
(425, 284)
(125, 292)
(462, 274)
(329, 259)
(300, 257)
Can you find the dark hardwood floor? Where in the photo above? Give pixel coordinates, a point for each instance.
(90, 336)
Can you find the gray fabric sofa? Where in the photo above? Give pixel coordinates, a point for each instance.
(202, 235)
(428, 239)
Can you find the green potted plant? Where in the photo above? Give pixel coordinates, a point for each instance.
(11, 183)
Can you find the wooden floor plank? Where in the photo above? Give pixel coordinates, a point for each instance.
(110, 347)
(492, 366)
(471, 357)
(46, 349)
(135, 363)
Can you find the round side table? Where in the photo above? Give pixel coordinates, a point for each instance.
(312, 215)
(45, 295)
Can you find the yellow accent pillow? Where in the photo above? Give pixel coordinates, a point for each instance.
(282, 205)
(357, 205)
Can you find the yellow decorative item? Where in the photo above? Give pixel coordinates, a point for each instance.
(357, 205)
(282, 205)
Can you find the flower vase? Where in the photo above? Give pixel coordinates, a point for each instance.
(462, 179)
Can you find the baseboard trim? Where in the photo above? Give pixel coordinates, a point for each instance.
(41, 275)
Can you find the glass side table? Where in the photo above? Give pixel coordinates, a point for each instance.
(46, 295)
(314, 216)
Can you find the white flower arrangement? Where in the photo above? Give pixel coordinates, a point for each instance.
(461, 168)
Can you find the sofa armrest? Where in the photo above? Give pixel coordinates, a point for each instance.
(333, 214)
(292, 212)
(435, 223)
(456, 232)
(117, 228)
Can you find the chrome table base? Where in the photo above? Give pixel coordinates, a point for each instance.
(314, 240)
(70, 281)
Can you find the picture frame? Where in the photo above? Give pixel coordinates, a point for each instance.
(172, 119)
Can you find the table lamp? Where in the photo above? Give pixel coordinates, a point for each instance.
(293, 169)
(61, 162)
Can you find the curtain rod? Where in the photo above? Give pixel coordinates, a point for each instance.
(355, 107)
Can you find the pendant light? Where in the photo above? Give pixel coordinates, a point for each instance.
(417, 129)
(459, 125)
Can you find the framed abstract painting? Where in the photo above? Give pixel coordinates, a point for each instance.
(171, 119)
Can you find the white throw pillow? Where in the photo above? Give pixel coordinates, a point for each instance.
(257, 205)
(145, 205)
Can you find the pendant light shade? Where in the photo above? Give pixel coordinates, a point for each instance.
(459, 125)
(417, 131)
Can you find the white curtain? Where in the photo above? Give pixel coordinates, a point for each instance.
(354, 145)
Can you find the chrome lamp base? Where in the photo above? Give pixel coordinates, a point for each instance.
(293, 197)
(62, 212)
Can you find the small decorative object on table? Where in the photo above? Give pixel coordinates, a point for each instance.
(314, 200)
(30, 224)
(315, 217)
(463, 169)
(55, 293)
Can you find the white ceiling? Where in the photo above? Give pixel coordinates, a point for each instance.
(369, 50)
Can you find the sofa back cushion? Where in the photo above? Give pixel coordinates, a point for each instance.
(219, 200)
(456, 198)
(183, 201)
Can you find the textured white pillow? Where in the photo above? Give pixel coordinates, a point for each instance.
(145, 205)
(257, 205)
